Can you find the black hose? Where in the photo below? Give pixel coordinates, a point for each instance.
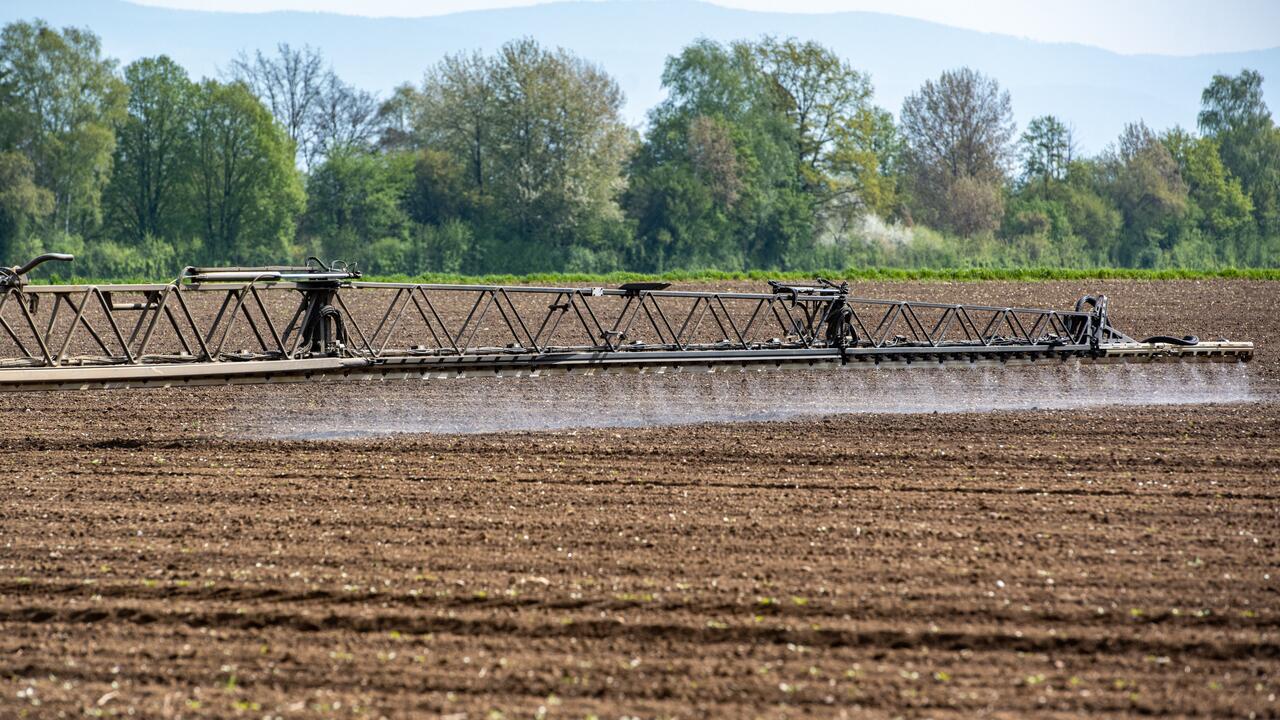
(1185, 341)
(340, 330)
(64, 257)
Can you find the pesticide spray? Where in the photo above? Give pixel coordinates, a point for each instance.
(480, 405)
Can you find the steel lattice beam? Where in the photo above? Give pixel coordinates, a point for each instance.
(265, 324)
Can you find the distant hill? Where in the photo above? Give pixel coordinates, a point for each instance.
(1097, 91)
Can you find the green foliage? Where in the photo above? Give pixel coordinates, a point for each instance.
(22, 202)
(766, 154)
(1046, 149)
(526, 146)
(150, 191)
(1218, 206)
(1150, 193)
(560, 142)
(1086, 200)
(58, 101)
(355, 197)
(440, 191)
(717, 182)
(841, 139)
(957, 133)
(247, 191)
(870, 151)
(444, 248)
(1234, 113)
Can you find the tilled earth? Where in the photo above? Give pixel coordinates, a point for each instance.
(159, 561)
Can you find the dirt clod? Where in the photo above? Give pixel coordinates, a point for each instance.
(1113, 560)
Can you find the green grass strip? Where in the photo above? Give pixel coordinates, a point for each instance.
(1030, 274)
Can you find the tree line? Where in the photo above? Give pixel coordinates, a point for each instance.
(765, 154)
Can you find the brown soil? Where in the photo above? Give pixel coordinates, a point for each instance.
(1109, 561)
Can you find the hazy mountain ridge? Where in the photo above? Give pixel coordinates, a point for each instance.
(1095, 90)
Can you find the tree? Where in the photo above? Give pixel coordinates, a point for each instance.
(291, 84)
(869, 152)
(829, 105)
(445, 247)
(1234, 114)
(456, 112)
(1233, 104)
(1218, 207)
(561, 141)
(1224, 208)
(715, 159)
(1149, 191)
(717, 181)
(59, 98)
(397, 118)
(1047, 150)
(440, 192)
(1090, 210)
(22, 202)
(345, 119)
(246, 188)
(149, 190)
(957, 133)
(541, 137)
(355, 198)
(817, 90)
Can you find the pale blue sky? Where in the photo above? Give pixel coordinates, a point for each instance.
(1172, 27)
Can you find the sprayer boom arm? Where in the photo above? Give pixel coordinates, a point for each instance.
(240, 325)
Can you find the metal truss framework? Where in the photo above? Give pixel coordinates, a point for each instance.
(226, 325)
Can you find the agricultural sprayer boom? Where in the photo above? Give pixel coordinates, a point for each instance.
(318, 322)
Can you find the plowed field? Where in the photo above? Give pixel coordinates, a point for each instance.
(164, 555)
